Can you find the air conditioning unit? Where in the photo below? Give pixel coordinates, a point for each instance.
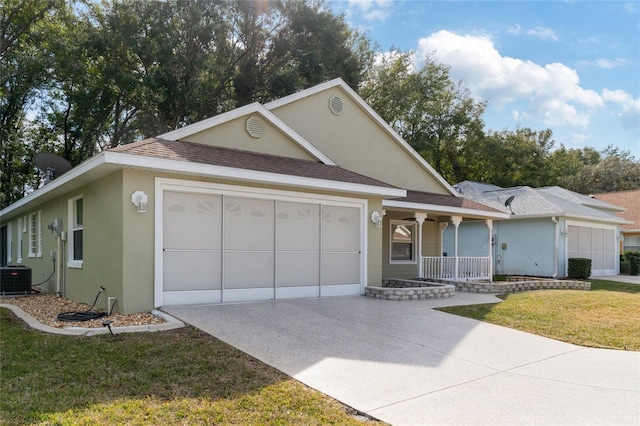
(15, 280)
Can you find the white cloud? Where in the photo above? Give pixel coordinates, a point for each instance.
(552, 92)
(373, 10)
(606, 64)
(514, 29)
(543, 33)
(629, 108)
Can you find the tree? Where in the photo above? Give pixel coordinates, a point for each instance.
(607, 171)
(436, 116)
(25, 26)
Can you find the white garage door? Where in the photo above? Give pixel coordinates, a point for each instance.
(596, 244)
(222, 248)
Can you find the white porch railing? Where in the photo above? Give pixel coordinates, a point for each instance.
(456, 268)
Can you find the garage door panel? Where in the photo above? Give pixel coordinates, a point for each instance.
(298, 269)
(192, 221)
(340, 268)
(192, 270)
(340, 229)
(248, 270)
(597, 244)
(298, 226)
(248, 224)
(225, 248)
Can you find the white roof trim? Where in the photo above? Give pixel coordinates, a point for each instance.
(166, 165)
(338, 82)
(117, 160)
(443, 209)
(254, 108)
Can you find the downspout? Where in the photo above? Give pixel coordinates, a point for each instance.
(556, 250)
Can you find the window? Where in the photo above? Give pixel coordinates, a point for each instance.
(75, 239)
(21, 230)
(403, 245)
(35, 234)
(5, 245)
(631, 243)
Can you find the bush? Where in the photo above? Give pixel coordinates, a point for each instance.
(633, 258)
(579, 268)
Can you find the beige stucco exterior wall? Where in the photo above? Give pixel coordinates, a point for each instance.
(355, 141)
(233, 134)
(102, 243)
(138, 243)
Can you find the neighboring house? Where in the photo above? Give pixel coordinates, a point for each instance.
(547, 227)
(312, 195)
(630, 200)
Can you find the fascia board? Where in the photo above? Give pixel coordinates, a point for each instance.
(338, 82)
(181, 167)
(254, 108)
(443, 209)
(613, 220)
(77, 175)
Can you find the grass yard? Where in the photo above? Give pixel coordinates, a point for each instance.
(181, 376)
(608, 316)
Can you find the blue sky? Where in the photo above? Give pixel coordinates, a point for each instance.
(570, 66)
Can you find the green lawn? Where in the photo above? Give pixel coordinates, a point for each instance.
(175, 377)
(608, 316)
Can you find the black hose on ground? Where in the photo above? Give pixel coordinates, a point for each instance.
(87, 315)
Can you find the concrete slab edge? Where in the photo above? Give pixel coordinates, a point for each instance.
(169, 324)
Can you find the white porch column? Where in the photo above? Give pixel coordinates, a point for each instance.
(456, 220)
(489, 224)
(420, 218)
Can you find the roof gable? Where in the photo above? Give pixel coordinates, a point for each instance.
(194, 130)
(423, 167)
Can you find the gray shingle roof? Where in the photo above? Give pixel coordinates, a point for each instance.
(540, 202)
(227, 157)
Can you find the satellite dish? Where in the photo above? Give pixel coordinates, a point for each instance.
(51, 165)
(508, 203)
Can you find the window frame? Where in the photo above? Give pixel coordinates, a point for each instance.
(72, 262)
(21, 231)
(35, 234)
(414, 241)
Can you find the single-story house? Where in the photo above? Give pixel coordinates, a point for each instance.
(630, 200)
(312, 195)
(546, 227)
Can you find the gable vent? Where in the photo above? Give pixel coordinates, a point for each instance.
(255, 126)
(336, 105)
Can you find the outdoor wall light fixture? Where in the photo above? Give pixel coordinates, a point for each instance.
(139, 199)
(564, 232)
(376, 218)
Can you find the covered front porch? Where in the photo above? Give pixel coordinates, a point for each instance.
(415, 244)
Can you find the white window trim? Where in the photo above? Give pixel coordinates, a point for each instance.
(20, 239)
(71, 263)
(39, 234)
(35, 235)
(9, 244)
(414, 242)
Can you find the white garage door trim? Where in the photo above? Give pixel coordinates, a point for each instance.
(612, 268)
(162, 297)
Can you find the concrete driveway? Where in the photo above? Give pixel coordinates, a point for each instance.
(406, 363)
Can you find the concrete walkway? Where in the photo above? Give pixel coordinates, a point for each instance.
(630, 279)
(408, 364)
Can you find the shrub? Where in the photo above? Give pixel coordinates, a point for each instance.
(633, 258)
(579, 267)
